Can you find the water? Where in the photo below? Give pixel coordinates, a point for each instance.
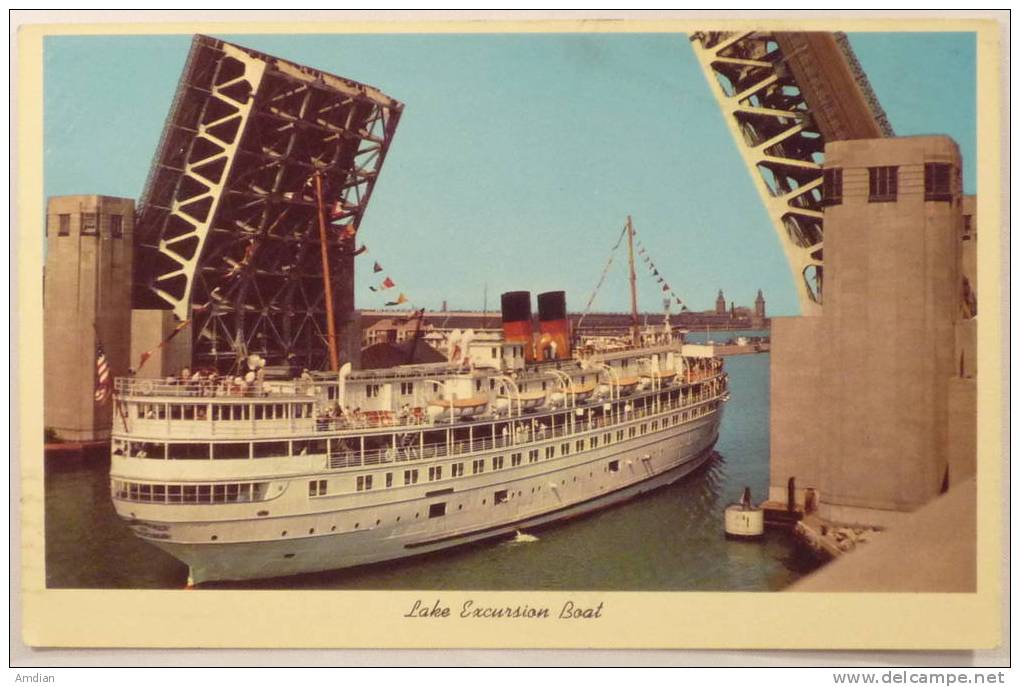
(669, 540)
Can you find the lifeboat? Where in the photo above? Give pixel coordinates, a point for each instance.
(462, 408)
(581, 392)
(529, 400)
(665, 377)
(626, 385)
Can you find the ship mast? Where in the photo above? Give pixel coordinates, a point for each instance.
(334, 356)
(634, 327)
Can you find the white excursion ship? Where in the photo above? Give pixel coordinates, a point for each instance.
(337, 469)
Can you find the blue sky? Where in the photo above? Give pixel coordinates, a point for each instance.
(518, 157)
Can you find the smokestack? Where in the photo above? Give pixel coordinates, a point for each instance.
(553, 325)
(516, 307)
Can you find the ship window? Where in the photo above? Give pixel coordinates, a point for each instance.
(644, 427)
(594, 442)
(189, 451)
(632, 432)
(515, 459)
(478, 385)
(270, 449)
(493, 353)
(437, 510)
(230, 451)
(173, 493)
(477, 466)
(317, 487)
(614, 466)
(145, 449)
(389, 480)
(655, 425)
(497, 462)
(309, 446)
(116, 226)
(371, 390)
(364, 482)
(410, 477)
(882, 182)
(64, 225)
(406, 388)
(938, 181)
(565, 449)
(550, 451)
(500, 497)
(457, 469)
(435, 472)
(607, 438)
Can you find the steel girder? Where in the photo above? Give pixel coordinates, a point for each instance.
(781, 108)
(227, 232)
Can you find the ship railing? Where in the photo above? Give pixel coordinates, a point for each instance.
(209, 388)
(520, 438)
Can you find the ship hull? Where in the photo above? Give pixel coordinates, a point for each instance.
(641, 468)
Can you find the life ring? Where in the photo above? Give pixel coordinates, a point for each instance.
(146, 387)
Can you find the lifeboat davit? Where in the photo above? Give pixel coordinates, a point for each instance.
(462, 408)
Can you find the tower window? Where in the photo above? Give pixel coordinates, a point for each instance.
(882, 184)
(89, 224)
(832, 186)
(938, 181)
(64, 225)
(116, 226)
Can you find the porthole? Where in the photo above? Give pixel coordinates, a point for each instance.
(213, 538)
(377, 522)
(311, 531)
(357, 525)
(460, 506)
(398, 518)
(333, 528)
(284, 533)
(288, 555)
(416, 516)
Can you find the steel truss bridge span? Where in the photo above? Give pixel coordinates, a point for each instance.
(783, 96)
(227, 232)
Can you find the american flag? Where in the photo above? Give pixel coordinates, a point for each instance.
(102, 376)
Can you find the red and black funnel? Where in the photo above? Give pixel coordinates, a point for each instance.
(553, 325)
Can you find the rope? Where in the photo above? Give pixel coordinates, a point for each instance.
(602, 278)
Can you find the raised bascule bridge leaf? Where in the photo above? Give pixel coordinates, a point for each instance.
(227, 233)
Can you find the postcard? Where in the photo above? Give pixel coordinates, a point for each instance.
(624, 334)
